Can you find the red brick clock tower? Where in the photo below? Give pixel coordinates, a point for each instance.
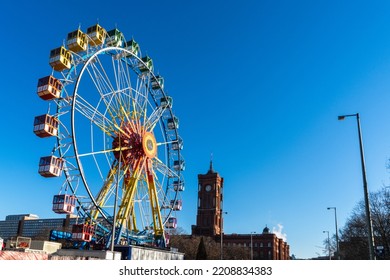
(208, 218)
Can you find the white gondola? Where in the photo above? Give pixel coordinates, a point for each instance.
(64, 203)
(132, 46)
(166, 102)
(171, 223)
(115, 38)
(179, 165)
(158, 83)
(176, 205)
(173, 123)
(146, 64)
(178, 186)
(178, 144)
(167, 238)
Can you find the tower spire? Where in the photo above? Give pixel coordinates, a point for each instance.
(211, 170)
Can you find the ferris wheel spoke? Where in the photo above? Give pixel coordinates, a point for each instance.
(122, 96)
(116, 101)
(104, 87)
(103, 195)
(96, 117)
(164, 169)
(140, 97)
(154, 118)
(119, 149)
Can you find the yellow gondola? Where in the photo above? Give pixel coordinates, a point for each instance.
(60, 59)
(77, 41)
(97, 34)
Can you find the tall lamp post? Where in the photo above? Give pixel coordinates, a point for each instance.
(366, 198)
(337, 235)
(328, 244)
(253, 232)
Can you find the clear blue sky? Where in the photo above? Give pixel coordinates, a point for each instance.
(259, 84)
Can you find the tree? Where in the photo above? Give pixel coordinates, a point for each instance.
(331, 246)
(354, 235)
(189, 245)
(201, 254)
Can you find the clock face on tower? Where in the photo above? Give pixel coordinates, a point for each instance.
(208, 188)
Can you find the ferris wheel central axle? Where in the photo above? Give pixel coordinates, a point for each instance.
(133, 144)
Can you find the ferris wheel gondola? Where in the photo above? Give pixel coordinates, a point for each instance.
(117, 140)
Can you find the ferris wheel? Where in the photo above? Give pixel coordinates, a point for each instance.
(117, 142)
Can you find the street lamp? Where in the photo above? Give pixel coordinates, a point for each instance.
(328, 243)
(337, 235)
(222, 232)
(366, 198)
(253, 232)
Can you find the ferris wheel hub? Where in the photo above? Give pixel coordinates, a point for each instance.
(132, 144)
(149, 145)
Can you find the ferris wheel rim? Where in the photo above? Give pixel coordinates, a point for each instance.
(104, 50)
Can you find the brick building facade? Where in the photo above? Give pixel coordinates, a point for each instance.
(209, 222)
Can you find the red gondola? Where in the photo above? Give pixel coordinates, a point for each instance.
(50, 166)
(82, 232)
(49, 88)
(46, 126)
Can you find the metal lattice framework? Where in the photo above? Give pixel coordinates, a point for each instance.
(117, 139)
